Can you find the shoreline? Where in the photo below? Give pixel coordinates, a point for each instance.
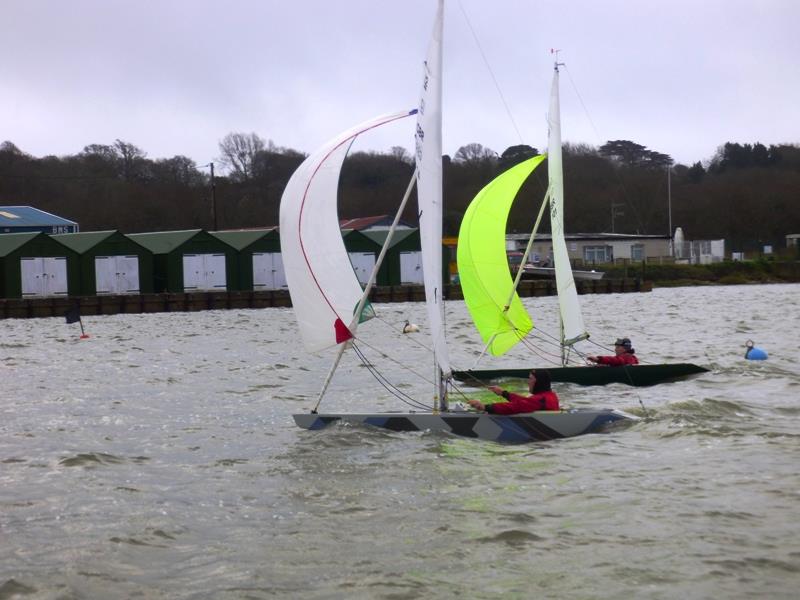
(33, 308)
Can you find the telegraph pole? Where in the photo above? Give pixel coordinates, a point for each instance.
(669, 210)
(213, 196)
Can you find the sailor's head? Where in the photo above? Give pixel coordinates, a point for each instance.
(539, 380)
(623, 344)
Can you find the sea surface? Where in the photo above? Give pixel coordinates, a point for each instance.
(158, 459)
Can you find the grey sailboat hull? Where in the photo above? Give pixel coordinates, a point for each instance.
(544, 425)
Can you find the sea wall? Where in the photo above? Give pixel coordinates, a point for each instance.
(26, 308)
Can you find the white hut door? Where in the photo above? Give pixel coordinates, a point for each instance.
(44, 276)
(268, 273)
(116, 274)
(411, 267)
(204, 272)
(127, 274)
(362, 262)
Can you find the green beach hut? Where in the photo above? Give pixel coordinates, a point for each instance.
(33, 264)
(363, 253)
(189, 261)
(110, 263)
(259, 257)
(403, 262)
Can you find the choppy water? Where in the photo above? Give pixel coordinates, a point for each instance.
(158, 459)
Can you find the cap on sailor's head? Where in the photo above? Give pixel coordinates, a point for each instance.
(624, 342)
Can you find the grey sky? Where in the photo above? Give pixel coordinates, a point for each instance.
(175, 76)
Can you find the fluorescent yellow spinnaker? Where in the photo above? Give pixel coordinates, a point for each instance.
(483, 264)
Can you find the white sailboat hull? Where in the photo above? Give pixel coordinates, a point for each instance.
(528, 427)
(551, 272)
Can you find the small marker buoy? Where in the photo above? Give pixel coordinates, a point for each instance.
(85, 336)
(410, 327)
(753, 352)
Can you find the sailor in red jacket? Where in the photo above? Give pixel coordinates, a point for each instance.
(542, 398)
(623, 355)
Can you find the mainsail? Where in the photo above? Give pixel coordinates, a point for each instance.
(429, 190)
(486, 282)
(324, 288)
(572, 328)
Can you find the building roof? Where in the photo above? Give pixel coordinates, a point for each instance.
(11, 241)
(163, 242)
(242, 238)
(81, 242)
(362, 223)
(380, 235)
(27, 216)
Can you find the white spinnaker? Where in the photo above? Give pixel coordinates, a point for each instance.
(324, 288)
(571, 316)
(429, 189)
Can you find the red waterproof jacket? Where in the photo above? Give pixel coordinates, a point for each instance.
(517, 403)
(618, 361)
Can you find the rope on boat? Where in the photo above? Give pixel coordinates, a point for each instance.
(385, 383)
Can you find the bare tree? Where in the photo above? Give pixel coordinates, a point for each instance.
(178, 169)
(238, 153)
(474, 153)
(131, 159)
(102, 151)
(400, 153)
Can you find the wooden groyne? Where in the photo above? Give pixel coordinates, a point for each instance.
(27, 308)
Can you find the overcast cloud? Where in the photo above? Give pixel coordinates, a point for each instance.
(175, 76)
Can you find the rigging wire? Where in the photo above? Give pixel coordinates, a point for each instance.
(625, 193)
(491, 73)
(385, 383)
(397, 362)
(497, 86)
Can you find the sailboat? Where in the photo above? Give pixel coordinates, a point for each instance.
(490, 293)
(329, 303)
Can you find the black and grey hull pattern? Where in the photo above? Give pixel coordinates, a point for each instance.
(520, 428)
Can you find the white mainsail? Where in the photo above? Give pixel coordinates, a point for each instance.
(572, 327)
(324, 288)
(429, 189)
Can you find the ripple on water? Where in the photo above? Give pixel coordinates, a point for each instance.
(193, 481)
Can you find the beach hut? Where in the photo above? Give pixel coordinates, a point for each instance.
(403, 262)
(110, 263)
(189, 261)
(363, 253)
(259, 257)
(34, 265)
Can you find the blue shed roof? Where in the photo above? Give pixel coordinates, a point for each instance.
(27, 216)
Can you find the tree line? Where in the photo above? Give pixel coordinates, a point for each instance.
(746, 193)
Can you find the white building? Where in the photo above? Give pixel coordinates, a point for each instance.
(697, 252)
(596, 248)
